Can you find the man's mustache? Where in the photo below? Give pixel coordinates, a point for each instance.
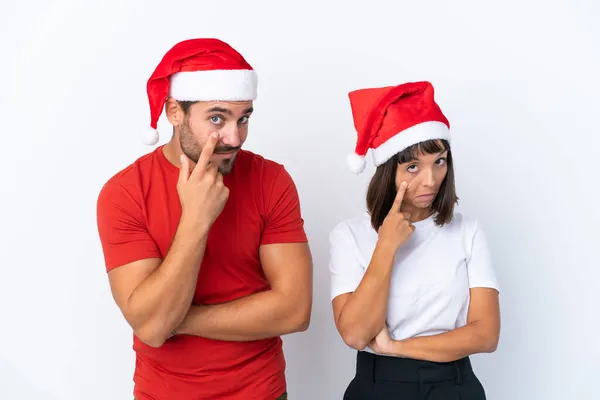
(226, 149)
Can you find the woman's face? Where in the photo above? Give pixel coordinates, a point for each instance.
(424, 177)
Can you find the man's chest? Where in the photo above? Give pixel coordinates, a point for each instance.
(230, 267)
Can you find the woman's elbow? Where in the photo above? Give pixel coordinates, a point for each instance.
(490, 344)
(487, 335)
(493, 346)
(351, 339)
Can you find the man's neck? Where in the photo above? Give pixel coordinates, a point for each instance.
(172, 151)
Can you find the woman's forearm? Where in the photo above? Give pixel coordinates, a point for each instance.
(363, 315)
(476, 337)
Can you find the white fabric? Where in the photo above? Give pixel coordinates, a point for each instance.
(214, 85)
(432, 272)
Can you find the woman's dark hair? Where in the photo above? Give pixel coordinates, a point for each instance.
(382, 188)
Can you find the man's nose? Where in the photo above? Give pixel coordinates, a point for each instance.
(230, 135)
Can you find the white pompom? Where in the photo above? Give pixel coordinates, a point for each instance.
(150, 137)
(356, 163)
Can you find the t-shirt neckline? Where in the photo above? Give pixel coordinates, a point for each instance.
(164, 160)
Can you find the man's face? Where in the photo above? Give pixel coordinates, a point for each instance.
(228, 119)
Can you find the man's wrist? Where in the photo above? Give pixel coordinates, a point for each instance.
(185, 328)
(196, 231)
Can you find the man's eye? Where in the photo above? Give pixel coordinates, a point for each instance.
(216, 119)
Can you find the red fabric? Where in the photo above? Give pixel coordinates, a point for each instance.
(381, 113)
(138, 214)
(189, 55)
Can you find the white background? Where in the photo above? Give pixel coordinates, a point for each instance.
(517, 79)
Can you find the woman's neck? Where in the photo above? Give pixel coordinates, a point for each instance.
(416, 214)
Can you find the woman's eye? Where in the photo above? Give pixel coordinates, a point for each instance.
(215, 119)
(441, 161)
(412, 168)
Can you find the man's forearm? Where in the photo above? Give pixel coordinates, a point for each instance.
(162, 300)
(258, 316)
(450, 346)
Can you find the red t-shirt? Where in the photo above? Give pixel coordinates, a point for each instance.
(138, 214)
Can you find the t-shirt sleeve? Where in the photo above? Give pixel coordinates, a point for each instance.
(122, 228)
(479, 265)
(345, 270)
(283, 217)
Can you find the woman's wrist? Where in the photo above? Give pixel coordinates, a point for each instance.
(386, 248)
(397, 348)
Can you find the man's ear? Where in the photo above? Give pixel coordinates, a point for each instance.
(174, 112)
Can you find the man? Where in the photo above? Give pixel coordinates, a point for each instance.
(204, 242)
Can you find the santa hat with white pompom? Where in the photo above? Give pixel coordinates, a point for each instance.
(393, 118)
(199, 70)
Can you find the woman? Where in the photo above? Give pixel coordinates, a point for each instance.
(412, 284)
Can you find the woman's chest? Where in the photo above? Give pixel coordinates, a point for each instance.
(432, 262)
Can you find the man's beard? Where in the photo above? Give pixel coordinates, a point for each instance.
(191, 148)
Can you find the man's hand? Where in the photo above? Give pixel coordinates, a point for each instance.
(201, 192)
(155, 295)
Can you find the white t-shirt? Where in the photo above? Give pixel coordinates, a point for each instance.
(432, 272)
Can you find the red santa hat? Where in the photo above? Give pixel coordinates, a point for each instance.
(393, 118)
(199, 70)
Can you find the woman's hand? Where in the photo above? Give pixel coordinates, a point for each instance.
(396, 229)
(382, 343)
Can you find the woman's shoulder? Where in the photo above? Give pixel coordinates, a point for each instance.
(465, 224)
(352, 229)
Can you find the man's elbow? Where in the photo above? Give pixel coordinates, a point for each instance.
(301, 319)
(303, 322)
(302, 325)
(151, 337)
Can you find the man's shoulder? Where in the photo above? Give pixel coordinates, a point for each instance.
(251, 158)
(263, 169)
(128, 179)
(130, 171)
